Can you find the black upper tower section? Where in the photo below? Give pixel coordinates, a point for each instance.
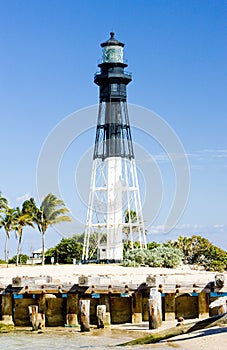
(112, 79)
(113, 135)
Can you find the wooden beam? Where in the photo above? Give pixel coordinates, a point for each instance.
(172, 332)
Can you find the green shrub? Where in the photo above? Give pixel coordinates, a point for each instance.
(158, 257)
(216, 265)
(22, 259)
(200, 251)
(130, 263)
(166, 257)
(65, 251)
(152, 245)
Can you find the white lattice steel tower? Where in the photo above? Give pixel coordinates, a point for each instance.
(114, 191)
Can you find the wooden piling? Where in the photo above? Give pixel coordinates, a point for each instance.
(222, 309)
(137, 308)
(41, 300)
(203, 305)
(101, 315)
(7, 307)
(37, 319)
(155, 309)
(105, 300)
(72, 310)
(84, 313)
(220, 280)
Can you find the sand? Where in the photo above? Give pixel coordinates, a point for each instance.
(70, 273)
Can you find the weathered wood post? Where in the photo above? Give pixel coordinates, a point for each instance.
(84, 307)
(105, 300)
(37, 319)
(137, 307)
(222, 309)
(72, 310)
(101, 315)
(7, 309)
(219, 280)
(155, 309)
(203, 305)
(42, 303)
(219, 305)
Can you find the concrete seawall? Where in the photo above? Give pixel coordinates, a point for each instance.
(125, 292)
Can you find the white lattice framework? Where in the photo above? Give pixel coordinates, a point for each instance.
(114, 190)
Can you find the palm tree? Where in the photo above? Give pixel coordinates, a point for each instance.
(3, 207)
(186, 245)
(22, 219)
(8, 220)
(3, 203)
(52, 211)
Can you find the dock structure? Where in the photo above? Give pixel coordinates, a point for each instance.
(123, 301)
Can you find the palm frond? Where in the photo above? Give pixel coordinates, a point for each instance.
(3, 202)
(57, 213)
(61, 219)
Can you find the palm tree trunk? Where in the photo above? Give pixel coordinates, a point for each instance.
(18, 249)
(6, 249)
(43, 247)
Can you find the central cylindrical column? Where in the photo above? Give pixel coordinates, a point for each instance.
(114, 209)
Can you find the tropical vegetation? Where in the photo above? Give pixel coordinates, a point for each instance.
(22, 219)
(51, 212)
(8, 223)
(200, 251)
(194, 250)
(21, 259)
(157, 257)
(67, 251)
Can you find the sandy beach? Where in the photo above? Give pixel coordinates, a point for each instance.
(70, 273)
(209, 339)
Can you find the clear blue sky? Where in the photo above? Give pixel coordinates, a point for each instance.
(177, 53)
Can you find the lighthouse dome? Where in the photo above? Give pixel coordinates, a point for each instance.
(112, 50)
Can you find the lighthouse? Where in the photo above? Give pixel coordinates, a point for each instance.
(114, 213)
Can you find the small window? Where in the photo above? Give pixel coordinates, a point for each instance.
(114, 87)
